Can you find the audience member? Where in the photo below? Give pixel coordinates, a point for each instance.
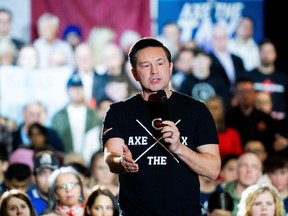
(7, 53)
(204, 83)
(228, 170)
(57, 58)
(74, 121)
(171, 31)
(33, 113)
(249, 171)
(127, 39)
(224, 63)
(17, 176)
(220, 203)
(100, 174)
(207, 187)
(263, 102)
(97, 39)
(73, 35)
(276, 168)
(86, 70)
(16, 202)
(251, 123)
(65, 196)
(3, 161)
(45, 162)
(244, 45)
(37, 134)
(101, 202)
(28, 57)
(47, 42)
(6, 22)
(183, 66)
(267, 78)
(260, 200)
(281, 139)
(117, 88)
(229, 138)
(84, 174)
(258, 148)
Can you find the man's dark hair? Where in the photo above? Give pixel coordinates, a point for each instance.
(5, 10)
(17, 171)
(144, 43)
(275, 162)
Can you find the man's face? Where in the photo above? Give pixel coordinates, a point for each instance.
(153, 69)
(5, 22)
(245, 94)
(249, 169)
(279, 178)
(41, 179)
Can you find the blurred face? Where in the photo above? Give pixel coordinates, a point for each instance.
(268, 54)
(27, 57)
(257, 147)
(219, 39)
(184, 62)
(76, 94)
(32, 114)
(68, 189)
(201, 65)
(102, 206)
(113, 59)
(37, 139)
(117, 90)
(41, 179)
(245, 94)
(245, 29)
(263, 205)
(101, 172)
(172, 33)
(153, 69)
(279, 179)
(48, 31)
(5, 22)
(263, 102)
(215, 106)
(17, 207)
(229, 171)
(249, 169)
(84, 58)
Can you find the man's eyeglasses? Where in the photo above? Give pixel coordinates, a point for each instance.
(67, 186)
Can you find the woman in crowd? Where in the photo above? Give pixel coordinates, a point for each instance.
(65, 195)
(15, 202)
(101, 202)
(101, 176)
(259, 200)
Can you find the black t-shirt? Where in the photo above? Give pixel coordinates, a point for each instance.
(164, 184)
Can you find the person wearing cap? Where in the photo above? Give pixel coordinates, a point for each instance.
(45, 162)
(76, 123)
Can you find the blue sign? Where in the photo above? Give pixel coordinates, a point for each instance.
(196, 18)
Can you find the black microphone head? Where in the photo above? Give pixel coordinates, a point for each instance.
(162, 97)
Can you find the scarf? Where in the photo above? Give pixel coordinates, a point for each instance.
(73, 211)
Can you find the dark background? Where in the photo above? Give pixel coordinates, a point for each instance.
(276, 29)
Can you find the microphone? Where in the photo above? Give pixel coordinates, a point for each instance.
(163, 109)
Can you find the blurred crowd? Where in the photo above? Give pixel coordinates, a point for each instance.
(58, 169)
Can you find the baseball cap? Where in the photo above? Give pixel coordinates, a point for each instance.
(46, 160)
(74, 81)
